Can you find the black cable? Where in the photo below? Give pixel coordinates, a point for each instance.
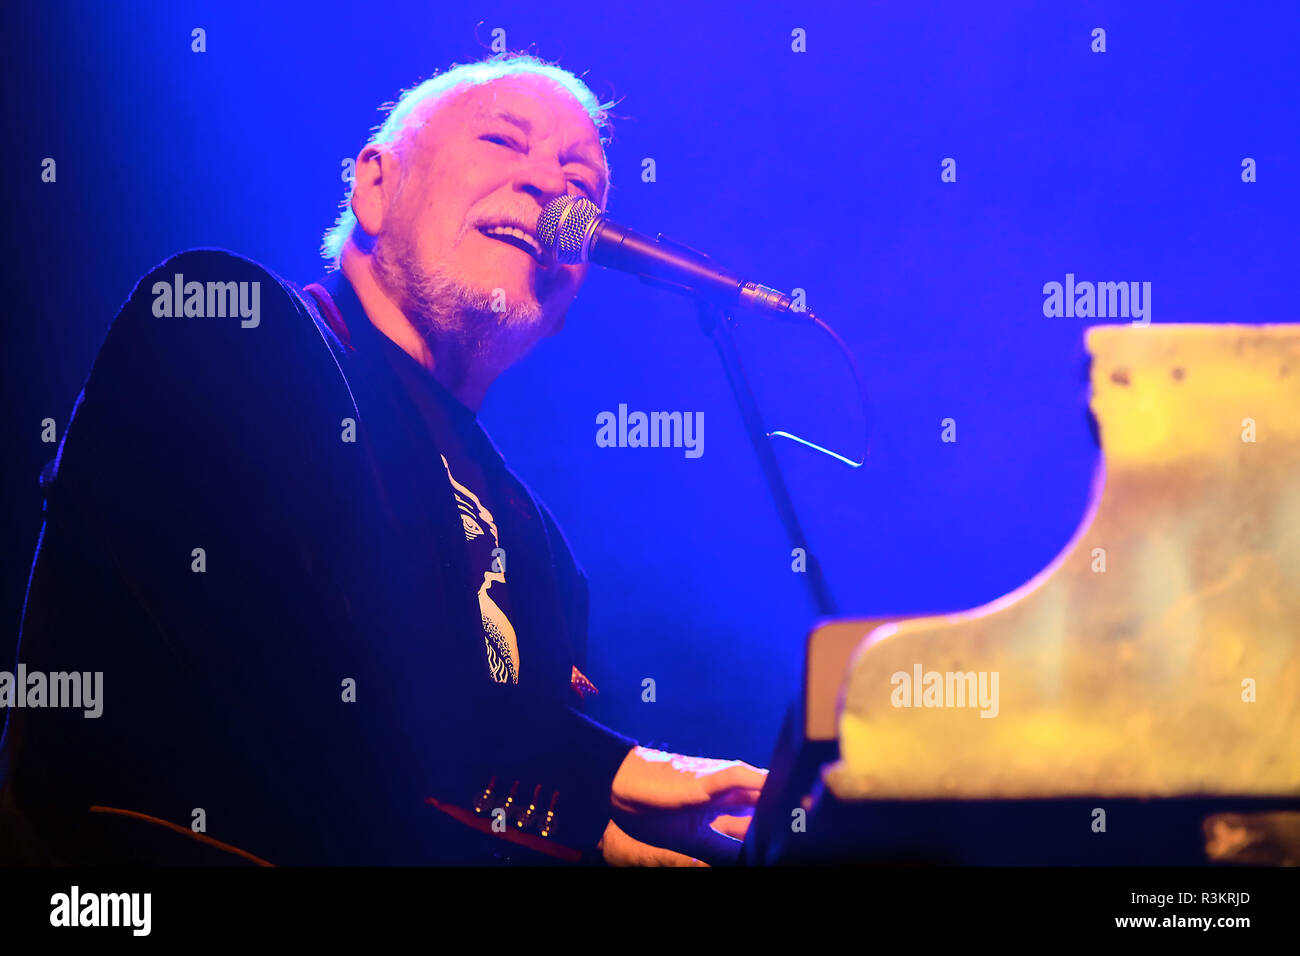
(862, 396)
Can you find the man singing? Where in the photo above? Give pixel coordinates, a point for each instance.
(333, 627)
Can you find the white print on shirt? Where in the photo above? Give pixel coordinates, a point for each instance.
(499, 634)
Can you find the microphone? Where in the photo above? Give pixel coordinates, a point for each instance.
(574, 230)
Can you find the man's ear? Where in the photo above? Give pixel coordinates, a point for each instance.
(377, 171)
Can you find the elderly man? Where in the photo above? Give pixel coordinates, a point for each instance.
(332, 625)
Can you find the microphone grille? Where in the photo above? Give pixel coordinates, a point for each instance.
(563, 227)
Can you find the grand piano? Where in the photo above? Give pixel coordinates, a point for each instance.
(1135, 703)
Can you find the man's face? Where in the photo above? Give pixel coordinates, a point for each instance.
(488, 159)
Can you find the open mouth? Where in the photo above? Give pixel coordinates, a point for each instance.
(519, 238)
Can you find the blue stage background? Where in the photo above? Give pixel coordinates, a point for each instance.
(818, 170)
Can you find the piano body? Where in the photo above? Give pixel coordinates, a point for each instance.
(1137, 702)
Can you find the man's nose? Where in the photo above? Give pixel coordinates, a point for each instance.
(543, 179)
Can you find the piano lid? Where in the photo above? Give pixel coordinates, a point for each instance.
(1159, 654)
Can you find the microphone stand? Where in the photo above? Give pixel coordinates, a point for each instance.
(717, 324)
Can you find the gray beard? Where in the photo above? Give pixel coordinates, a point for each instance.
(446, 312)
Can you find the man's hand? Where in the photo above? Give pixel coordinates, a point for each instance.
(619, 849)
(671, 809)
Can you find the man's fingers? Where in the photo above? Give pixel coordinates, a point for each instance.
(647, 855)
(732, 825)
(738, 785)
(734, 799)
(619, 849)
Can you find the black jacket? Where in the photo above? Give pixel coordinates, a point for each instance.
(327, 563)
